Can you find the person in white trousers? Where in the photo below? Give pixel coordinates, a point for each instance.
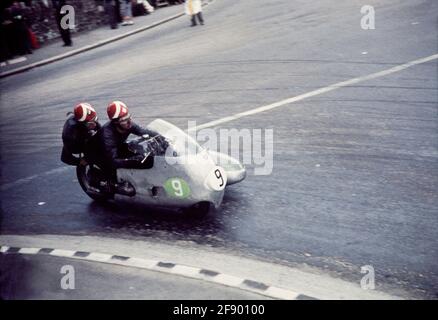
(193, 8)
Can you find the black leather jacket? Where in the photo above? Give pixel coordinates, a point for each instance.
(75, 136)
(111, 142)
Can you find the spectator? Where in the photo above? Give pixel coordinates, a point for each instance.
(138, 8)
(193, 8)
(78, 129)
(21, 31)
(126, 11)
(149, 8)
(111, 9)
(7, 35)
(141, 7)
(59, 14)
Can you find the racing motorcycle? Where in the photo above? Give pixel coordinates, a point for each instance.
(178, 172)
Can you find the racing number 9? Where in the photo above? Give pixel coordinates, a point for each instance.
(219, 176)
(177, 187)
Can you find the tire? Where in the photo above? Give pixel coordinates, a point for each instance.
(82, 175)
(198, 210)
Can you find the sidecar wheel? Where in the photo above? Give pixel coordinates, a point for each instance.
(83, 179)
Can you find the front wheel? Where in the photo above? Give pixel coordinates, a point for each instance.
(85, 177)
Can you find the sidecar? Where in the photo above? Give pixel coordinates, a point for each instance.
(183, 174)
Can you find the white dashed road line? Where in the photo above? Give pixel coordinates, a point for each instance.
(317, 92)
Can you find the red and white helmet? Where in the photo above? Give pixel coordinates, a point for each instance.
(84, 112)
(117, 110)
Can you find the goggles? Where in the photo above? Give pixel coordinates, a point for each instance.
(91, 121)
(125, 119)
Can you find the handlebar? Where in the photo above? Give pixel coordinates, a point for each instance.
(146, 145)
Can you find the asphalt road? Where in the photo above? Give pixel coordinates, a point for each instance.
(354, 175)
(54, 278)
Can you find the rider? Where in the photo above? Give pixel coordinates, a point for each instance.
(78, 129)
(112, 137)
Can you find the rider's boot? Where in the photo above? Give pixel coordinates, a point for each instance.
(106, 187)
(124, 188)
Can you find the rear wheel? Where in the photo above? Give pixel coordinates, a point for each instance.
(86, 175)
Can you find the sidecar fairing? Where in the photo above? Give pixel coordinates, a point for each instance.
(236, 172)
(184, 176)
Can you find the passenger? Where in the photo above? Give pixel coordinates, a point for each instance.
(78, 129)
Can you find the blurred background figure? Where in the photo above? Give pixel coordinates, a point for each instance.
(65, 33)
(126, 12)
(111, 10)
(15, 33)
(8, 36)
(193, 8)
(20, 18)
(141, 7)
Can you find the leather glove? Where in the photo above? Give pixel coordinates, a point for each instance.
(136, 158)
(136, 162)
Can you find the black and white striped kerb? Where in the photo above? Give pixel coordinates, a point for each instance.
(166, 267)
